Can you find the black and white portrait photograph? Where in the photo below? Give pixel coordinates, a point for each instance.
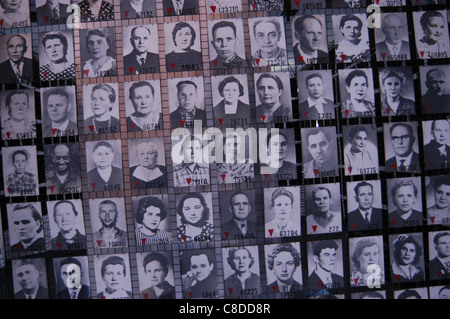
(30, 278)
(436, 143)
(108, 220)
(284, 270)
(319, 152)
(416, 293)
(189, 167)
(241, 271)
(360, 149)
(226, 44)
(151, 214)
(439, 255)
(186, 102)
(155, 271)
(18, 114)
(52, 12)
(26, 228)
(325, 264)
(56, 56)
(15, 14)
(404, 202)
(143, 105)
(238, 215)
(231, 100)
(147, 163)
(195, 218)
(273, 98)
(435, 89)
(351, 37)
(316, 94)
(392, 41)
(364, 205)
(199, 278)
(98, 52)
(439, 292)
(437, 189)
(16, 64)
(62, 168)
(357, 93)
(101, 108)
(140, 49)
(182, 45)
(350, 3)
(104, 165)
(397, 91)
(223, 6)
(180, 7)
(431, 33)
(366, 262)
(96, 10)
(59, 111)
(20, 174)
(66, 224)
(113, 276)
(401, 147)
(323, 208)
(267, 41)
(137, 9)
(309, 35)
(406, 253)
(282, 211)
(266, 5)
(72, 277)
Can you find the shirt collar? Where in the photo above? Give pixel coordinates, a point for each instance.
(364, 212)
(306, 55)
(311, 104)
(391, 47)
(407, 159)
(61, 127)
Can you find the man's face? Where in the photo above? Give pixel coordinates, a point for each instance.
(268, 91)
(358, 88)
(193, 150)
(315, 87)
(278, 145)
(443, 247)
(434, 28)
(267, 37)
(114, 277)
(25, 226)
(369, 256)
(402, 141)
(364, 197)
(20, 163)
(241, 260)
(155, 273)
(359, 142)
(147, 155)
(65, 217)
(143, 100)
(19, 107)
(442, 196)
(108, 215)
(61, 159)
(224, 42)
(441, 131)
(200, 267)
(240, 207)
(351, 30)
(322, 201)
(71, 275)
(282, 207)
(16, 49)
(140, 40)
(284, 266)
(311, 35)
(28, 277)
(404, 199)
(320, 148)
(393, 29)
(436, 82)
(326, 259)
(57, 108)
(187, 96)
(152, 218)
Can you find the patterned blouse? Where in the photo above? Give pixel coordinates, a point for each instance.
(106, 12)
(207, 233)
(45, 74)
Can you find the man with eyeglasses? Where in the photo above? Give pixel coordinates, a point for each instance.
(405, 159)
(62, 177)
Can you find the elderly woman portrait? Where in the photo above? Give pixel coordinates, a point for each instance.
(15, 13)
(156, 268)
(268, 38)
(365, 254)
(114, 271)
(194, 215)
(352, 46)
(20, 122)
(434, 43)
(147, 114)
(100, 63)
(151, 211)
(104, 175)
(360, 154)
(56, 46)
(103, 98)
(282, 224)
(148, 174)
(96, 10)
(356, 105)
(407, 254)
(241, 261)
(183, 37)
(392, 102)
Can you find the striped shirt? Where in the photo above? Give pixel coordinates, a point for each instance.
(161, 237)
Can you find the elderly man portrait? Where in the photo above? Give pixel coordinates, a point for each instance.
(58, 105)
(436, 98)
(266, 51)
(393, 47)
(140, 59)
(437, 151)
(310, 33)
(62, 169)
(321, 147)
(17, 68)
(239, 226)
(405, 159)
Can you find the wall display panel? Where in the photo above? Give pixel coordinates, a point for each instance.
(66, 221)
(223, 6)
(180, 8)
(15, 14)
(156, 275)
(16, 65)
(152, 219)
(392, 42)
(307, 4)
(436, 144)
(437, 190)
(418, 293)
(50, 12)
(439, 255)
(99, 11)
(137, 9)
(397, 91)
(439, 292)
(435, 89)
(72, 277)
(30, 278)
(112, 276)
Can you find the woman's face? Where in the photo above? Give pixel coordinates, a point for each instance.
(192, 210)
(359, 141)
(358, 88)
(231, 93)
(11, 5)
(114, 277)
(18, 107)
(183, 38)
(155, 273)
(282, 207)
(147, 155)
(100, 102)
(351, 30)
(407, 254)
(97, 46)
(434, 28)
(103, 157)
(152, 218)
(54, 50)
(284, 266)
(143, 100)
(369, 256)
(241, 260)
(392, 86)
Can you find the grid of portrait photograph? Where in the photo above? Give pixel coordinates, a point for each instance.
(224, 149)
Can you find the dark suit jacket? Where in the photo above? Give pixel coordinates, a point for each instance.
(416, 219)
(190, 7)
(414, 166)
(47, 131)
(312, 112)
(84, 293)
(7, 74)
(314, 281)
(242, 113)
(432, 104)
(433, 158)
(175, 118)
(357, 222)
(151, 64)
(38, 245)
(295, 292)
(42, 293)
(148, 5)
(438, 270)
(382, 48)
(322, 56)
(232, 228)
(45, 11)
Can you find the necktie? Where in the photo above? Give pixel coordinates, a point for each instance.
(142, 61)
(17, 71)
(243, 229)
(402, 166)
(447, 265)
(179, 7)
(367, 219)
(29, 297)
(55, 13)
(74, 295)
(395, 50)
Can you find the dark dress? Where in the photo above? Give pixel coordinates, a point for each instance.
(190, 60)
(96, 183)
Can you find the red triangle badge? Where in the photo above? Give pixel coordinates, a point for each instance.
(143, 240)
(54, 130)
(394, 221)
(439, 274)
(230, 291)
(220, 121)
(183, 237)
(266, 176)
(354, 226)
(172, 65)
(58, 245)
(215, 63)
(52, 189)
(314, 228)
(305, 114)
(126, 13)
(169, 10)
(45, 75)
(350, 169)
(9, 190)
(263, 118)
(394, 167)
(46, 19)
(93, 186)
(213, 9)
(86, 72)
(99, 243)
(428, 107)
(347, 112)
(297, 2)
(145, 296)
(8, 134)
(223, 177)
(182, 122)
(319, 283)
(131, 69)
(430, 163)
(254, 6)
(342, 57)
(188, 180)
(270, 232)
(190, 294)
(226, 234)
(388, 111)
(383, 55)
(300, 59)
(132, 126)
(316, 171)
(257, 61)
(356, 280)
(432, 219)
(422, 53)
(136, 184)
(91, 127)
(397, 277)
(1, 23)
(378, 1)
(274, 288)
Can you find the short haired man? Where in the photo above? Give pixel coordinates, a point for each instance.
(437, 151)
(366, 216)
(439, 213)
(28, 275)
(70, 272)
(21, 182)
(58, 106)
(187, 111)
(69, 237)
(405, 159)
(193, 171)
(308, 30)
(28, 225)
(440, 265)
(324, 256)
(239, 226)
(393, 47)
(52, 12)
(404, 195)
(17, 68)
(140, 60)
(200, 277)
(224, 41)
(316, 107)
(435, 99)
(322, 218)
(270, 88)
(109, 235)
(320, 146)
(62, 177)
(267, 34)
